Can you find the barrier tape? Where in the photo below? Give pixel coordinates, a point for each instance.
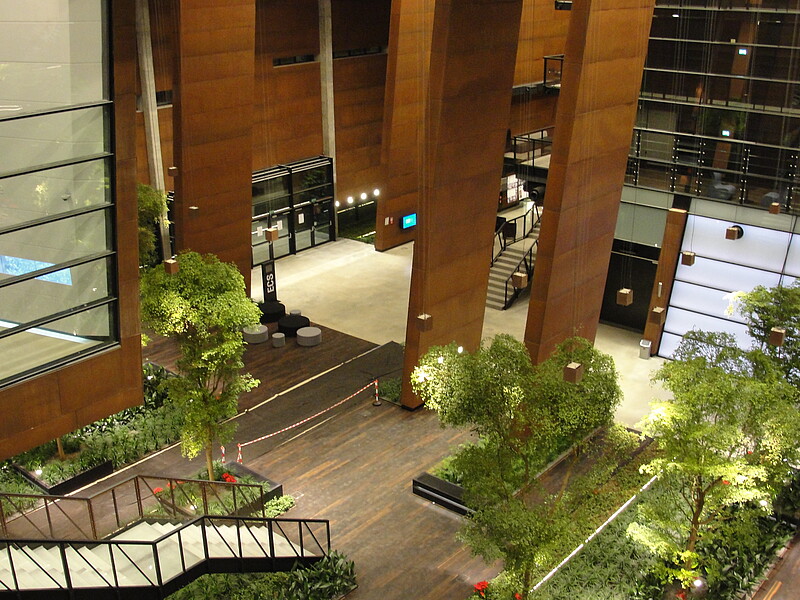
(306, 420)
(239, 456)
(223, 454)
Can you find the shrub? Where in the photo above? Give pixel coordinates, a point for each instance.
(332, 576)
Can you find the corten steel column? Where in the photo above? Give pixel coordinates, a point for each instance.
(408, 62)
(473, 51)
(665, 274)
(602, 74)
(213, 129)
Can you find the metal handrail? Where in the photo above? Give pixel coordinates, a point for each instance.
(85, 525)
(526, 230)
(158, 550)
(527, 262)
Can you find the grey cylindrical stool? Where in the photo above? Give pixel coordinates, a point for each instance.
(278, 340)
(295, 312)
(257, 334)
(309, 336)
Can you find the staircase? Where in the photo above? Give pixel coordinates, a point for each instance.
(501, 293)
(150, 557)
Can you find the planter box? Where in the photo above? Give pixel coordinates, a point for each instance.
(68, 485)
(271, 489)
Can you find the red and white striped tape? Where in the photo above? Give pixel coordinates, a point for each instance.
(306, 420)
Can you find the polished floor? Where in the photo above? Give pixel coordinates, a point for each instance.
(348, 286)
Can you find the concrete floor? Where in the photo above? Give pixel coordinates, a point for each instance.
(348, 286)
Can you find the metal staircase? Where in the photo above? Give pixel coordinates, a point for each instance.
(146, 556)
(516, 254)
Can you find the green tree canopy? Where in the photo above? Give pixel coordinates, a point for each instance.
(523, 415)
(764, 308)
(151, 208)
(726, 437)
(203, 307)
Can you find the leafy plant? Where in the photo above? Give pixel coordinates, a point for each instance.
(203, 307)
(523, 416)
(389, 388)
(727, 437)
(330, 577)
(151, 210)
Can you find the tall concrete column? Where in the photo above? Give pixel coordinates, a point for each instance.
(467, 106)
(150, 111)
(326, 84)
(600, 85)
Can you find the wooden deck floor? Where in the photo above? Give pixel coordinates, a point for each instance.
(353, 465)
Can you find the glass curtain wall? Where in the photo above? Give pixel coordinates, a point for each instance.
(719, 113)
(58, 300)
(296, 200)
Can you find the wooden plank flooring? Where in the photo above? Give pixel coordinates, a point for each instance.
(353, 465)
(278, 369)
(356, 470)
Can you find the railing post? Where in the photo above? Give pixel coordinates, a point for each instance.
(271, 543)
(157, 565)
(65, 565)
(113, 565)
(328, 534)
(204, 494)
(49, 519)
(11, 566)
(3, 527)
(239, 537)
(300, 532)
(92, 524)
(180, 549)
(116, 507)
(138, 497)
(202, 524)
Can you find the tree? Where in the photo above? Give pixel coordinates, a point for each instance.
(524, 415)
(152, 206)
(203, 307)
(764, 308)
(725, 438)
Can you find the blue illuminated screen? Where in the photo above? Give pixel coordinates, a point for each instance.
(409, 221)
(11, 265)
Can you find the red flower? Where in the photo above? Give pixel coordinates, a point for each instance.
(480, 587)
(517, 596)
(158, 490)
(681, 595)
(725, 482)
(229, 478)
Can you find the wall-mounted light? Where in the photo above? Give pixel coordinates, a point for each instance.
(675, 15)
(376, 192)
(658, 315)
(363, 195)
(336, 204)
(424, 322)
(349, 199)
(742, 51)
(734, 232)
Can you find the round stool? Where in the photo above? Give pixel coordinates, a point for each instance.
(278, 340)
(271, 312)
(295, 312)
(289, 324)
(309, 336)
(255, 334)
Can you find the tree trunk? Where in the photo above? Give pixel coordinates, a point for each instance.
(60, 445)
(694, 531)
(210, 463)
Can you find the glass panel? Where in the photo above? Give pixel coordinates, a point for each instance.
(322, 222)
(706, 300)
(304, 220)
(280, 247)
(52, 54)
(54, 243)
(26, 143)
(310, 178)
(680, 321)
(36, 195)
(725, 276)
(69, 288)
(66, 337)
